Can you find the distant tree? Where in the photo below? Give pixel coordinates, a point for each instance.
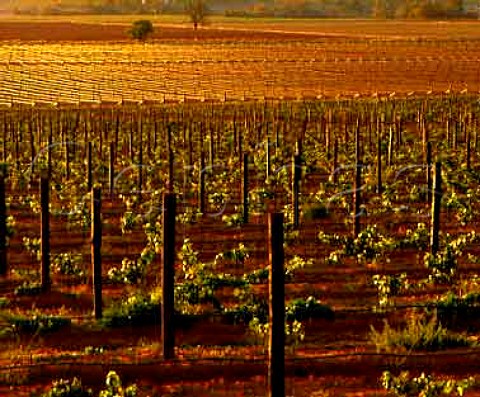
(196, 10)
(141, 29)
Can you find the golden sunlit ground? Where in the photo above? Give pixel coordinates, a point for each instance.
(47, 59)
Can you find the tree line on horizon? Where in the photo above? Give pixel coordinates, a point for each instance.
(382, 9)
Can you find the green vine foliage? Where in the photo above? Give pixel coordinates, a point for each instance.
(74, 388)
(368, 246)
(389, 286)
(443, 265)
(68, 388)
(424, 385)
(67, 264)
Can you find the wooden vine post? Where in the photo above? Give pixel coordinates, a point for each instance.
(3, 225)
(96, 251)
(468, 150)
(276, 351)
(111, 168)
(49, 154)
(429, 172)
(170, 159)
(67, 160)
(89, 167)
(245, 188)
(267, 159)
(45, 233)
(211, 152)
(390, 147)
(437, 198)
(296, 177)
(201, 185)
(379, 162)
(168, 277)
(357, 198)
(335, 161)
(140, 171)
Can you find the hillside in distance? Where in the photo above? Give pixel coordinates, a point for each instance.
(399, 9)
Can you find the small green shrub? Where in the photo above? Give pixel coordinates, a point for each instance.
(138, 310)
(416, 238)
(74, 388)
(294, 331)
(455, 309)
(28, 289)
(420, 333)
(68, 388)
(443, 266)
(301, 309)
(131, 272)
(4, 302)
(141, 29)
(190, 216)
(252, 307)
(37, 323)
(128, 221)
(368, 246)
(115, 388)
(235, 219)
(67, 264)
(256, 276)
(315, 211)
(389, 286)
(32, 245)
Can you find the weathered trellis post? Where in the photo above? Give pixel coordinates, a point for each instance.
(240, 145)
(170, 159)
(447, 138)
(299, 147)
(211, 152)
(268, 158)
(3, 224)
(296, 177)
(140, 170)
(49, 154)
(390, 147)
(96, 251)
(277, 135)
(5, 139)
(67, 160)
(429, 172)
(89, 166)
(455, 136)
(335, 161)
(201, 185)
(357, 198)
(245, 188)
(276, 351)
(111, 168)
(467, 149)
(32, 148)
(168, 277)
(45, 233)
(424, 138)
(130, 141)
(437, 198)
(379, 162)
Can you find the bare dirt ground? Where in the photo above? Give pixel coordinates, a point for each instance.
(74, 32)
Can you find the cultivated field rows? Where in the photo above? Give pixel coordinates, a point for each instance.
(112, 72)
